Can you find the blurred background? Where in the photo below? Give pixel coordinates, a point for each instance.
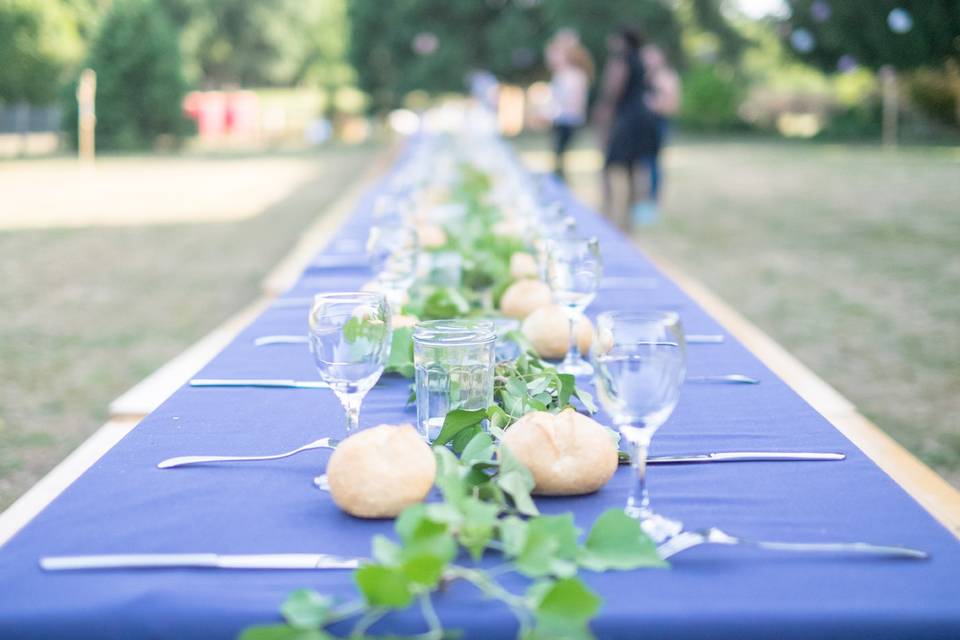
(812, 177)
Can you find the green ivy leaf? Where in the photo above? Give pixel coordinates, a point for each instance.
(585, 398)
(499, 420)
(385, 587)
(616, 541)
(306, 609)
(449, 478)
(401, 352)
(550, 547)
(456, 421)
(386, 551)
(419, 533)
(423, 569)
(513, 535)
(479, 449)
(565, 609)
(282, 632)
(479, 522)
(567, 385)
(516, 481)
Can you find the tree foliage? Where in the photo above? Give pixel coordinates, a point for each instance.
(39, 41)
(140, 85)
(262, 42)
(397, 47)
(918, 33)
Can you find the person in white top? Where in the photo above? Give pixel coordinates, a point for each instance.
(572, 72)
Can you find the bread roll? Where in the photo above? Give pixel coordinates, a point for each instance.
(431, 236)
(403, 320)
(378, 472)
(567, 453)
(523, 297)
(548, 330)
(523, 265)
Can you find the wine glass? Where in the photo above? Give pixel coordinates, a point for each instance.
(574, 269)
(392, 248)
(350, 342)
(639, 361)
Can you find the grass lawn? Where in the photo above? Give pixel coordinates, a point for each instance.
(849, 256)
(88, 311)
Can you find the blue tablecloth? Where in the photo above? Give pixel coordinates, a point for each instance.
(124, 504)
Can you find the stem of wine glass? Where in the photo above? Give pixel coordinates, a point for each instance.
(572, 355)
(351, 405)
(638, 503)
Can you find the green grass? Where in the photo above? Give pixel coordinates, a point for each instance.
(849, 256)
(86, 313)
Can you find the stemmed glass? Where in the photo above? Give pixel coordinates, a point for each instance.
(392, 248)
(574, 269)
(350, 342)
(639, 364)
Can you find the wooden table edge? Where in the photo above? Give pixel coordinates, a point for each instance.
(933, 493)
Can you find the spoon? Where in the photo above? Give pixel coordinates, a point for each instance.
(322, 443)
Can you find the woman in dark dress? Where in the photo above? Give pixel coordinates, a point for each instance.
(627, 126)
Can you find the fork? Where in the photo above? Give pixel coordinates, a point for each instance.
(322, 443)
(689, 539)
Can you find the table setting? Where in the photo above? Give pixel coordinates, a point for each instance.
(482, 410)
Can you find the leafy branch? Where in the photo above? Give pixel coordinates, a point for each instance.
(486, 510)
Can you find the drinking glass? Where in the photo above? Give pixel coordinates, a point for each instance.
(639, 364)
(392, 249)
(454, 361)
(574, 269)
(350, 342)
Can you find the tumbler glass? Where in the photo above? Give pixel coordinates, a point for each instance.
(454, 362)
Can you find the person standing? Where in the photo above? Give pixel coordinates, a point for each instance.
(572, 73)
(663, 98)
(626, 125)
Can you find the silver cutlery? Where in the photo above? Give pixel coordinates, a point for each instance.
(258, 382)
(264, 341)
(731, 378)
(746, 456)
(180, 461)
(199, 560)
(689, 539)
(704, 338)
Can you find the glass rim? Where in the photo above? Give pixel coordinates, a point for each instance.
(455, 332)
(348, 296)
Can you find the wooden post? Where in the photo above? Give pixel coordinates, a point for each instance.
(891, 108)
(87, 114)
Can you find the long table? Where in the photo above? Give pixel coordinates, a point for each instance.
(124, 504)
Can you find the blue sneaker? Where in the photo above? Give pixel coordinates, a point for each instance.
(644, 213)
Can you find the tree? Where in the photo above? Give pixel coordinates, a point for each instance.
(140, 84)
(261, 42)
(905, 34)
(918, 36)
(39, 41)
(397, 47)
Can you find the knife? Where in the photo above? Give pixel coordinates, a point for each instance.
(255, 382)
(263, 341)
(745, 456)
(704, 338)
(199, 560)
